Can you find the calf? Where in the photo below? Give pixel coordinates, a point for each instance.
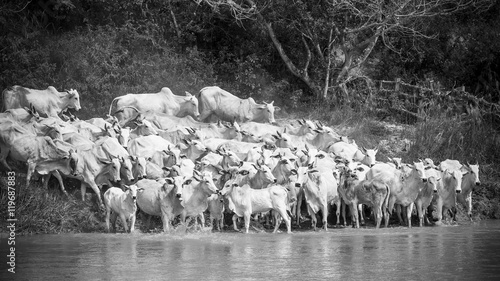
(374, 193)
(469, 180)
(122, 204)
(424, 197)
(247, 201)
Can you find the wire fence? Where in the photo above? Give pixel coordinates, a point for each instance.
(429, 98)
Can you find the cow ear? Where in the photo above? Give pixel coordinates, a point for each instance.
(188, 94)
(277, 108)
(169, 180)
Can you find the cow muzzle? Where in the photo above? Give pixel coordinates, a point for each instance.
(144, 176)
(178, 195)
(275, 181)
(478, 183)
(424, 180)
(458, 191)
(298, 185)
(435, 191)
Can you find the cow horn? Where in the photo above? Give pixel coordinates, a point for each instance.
(307, 148)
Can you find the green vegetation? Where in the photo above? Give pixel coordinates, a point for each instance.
(108, 48)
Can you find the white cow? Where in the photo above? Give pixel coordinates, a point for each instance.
(247, 201)
(122, 204)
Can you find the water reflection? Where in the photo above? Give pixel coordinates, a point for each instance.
(458, 252)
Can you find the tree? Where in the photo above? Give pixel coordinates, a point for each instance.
(327, 43)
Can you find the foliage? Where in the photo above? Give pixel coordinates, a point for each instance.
(48, 211)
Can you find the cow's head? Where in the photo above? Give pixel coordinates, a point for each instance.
(474, 169)
(73, 99)
(453, 179)
(139, 167)
(228, 186)
(266, 111)
(396, 161)
(113, 168)
(370, 155)
(419, 168)
(132, 191)
(191, 106)
(123, 136)
(206, 182)
(126, 168)
(264, 174)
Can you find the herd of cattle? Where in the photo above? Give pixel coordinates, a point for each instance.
(215, 153)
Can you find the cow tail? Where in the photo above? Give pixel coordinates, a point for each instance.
(386, 199)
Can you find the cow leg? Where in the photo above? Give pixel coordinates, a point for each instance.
(426, 217)
(132, 222)
(420, 213)
(246, 217)
(361, 214)
(202, 218)
(342, 202)
(378, 215)
(114, 217)
(324, 212)
(57, 175)
(235, 222)
(45, 181)
(221, 222)
(124, 222)
(97, 191)
(468, 200)
(31, 169)
(314, 220)
(165, 221)
(439, 211)
(298, 207)
(409, 212)
(282, 212)
(398, 212)
(355, 214)
(212, 219)
(83, 190)
(4, 152)
(108, 213)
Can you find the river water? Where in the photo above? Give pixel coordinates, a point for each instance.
(463, 252)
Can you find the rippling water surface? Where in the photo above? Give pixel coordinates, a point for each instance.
(470, 252)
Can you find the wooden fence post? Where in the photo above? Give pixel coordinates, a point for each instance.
(396, 88)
